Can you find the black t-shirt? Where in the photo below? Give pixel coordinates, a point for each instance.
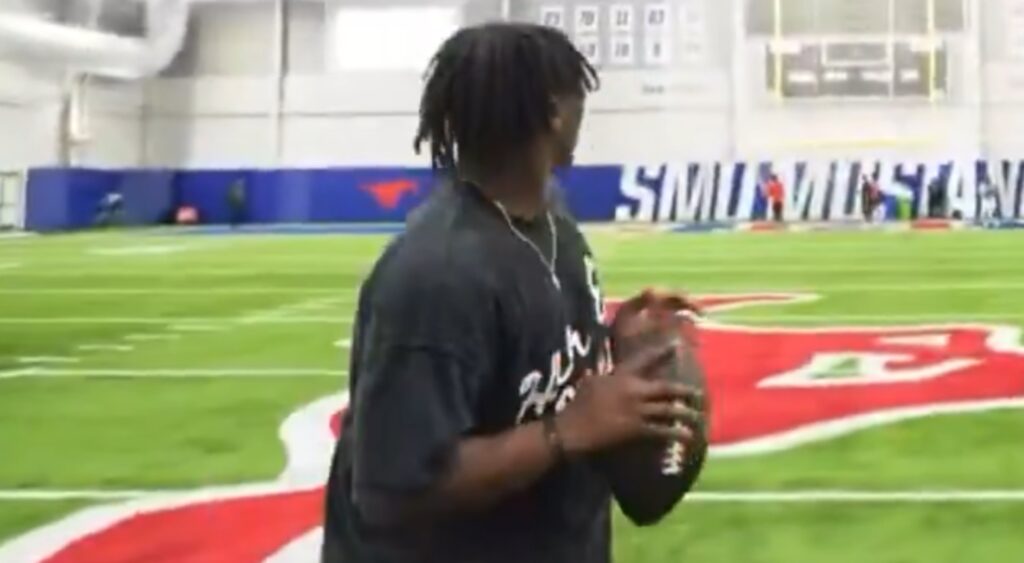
(462, 331)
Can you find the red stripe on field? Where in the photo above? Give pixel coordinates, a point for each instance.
(246, 530)
(932, 225)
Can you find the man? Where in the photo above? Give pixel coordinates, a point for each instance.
(871, 197)
(776, 194)
(236, 202)
(936, 199)
(989, 196)
(474, 400)
(111, 210)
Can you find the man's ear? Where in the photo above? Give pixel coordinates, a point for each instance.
(557, 123)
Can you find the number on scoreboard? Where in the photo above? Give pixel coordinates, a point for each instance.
(553, 16)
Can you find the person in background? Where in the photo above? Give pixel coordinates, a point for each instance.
(236, 202)
(871, 197)
(110, 210)
(936, 199)
(989, 194)
(775, 192)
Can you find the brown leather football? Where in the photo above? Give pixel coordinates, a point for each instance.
(650, 476)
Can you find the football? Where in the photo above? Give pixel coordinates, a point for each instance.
(650, 476)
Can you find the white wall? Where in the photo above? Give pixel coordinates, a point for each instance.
(114, 131)
(223, 116)
(29, 118)
(31, 122)
(217, 107)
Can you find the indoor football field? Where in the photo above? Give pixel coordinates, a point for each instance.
(169, 397)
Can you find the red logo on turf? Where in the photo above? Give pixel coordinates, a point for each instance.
(775, 388)
(772, 388)
(390, 193)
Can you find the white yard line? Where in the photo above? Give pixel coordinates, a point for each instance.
(223, 290)
(870, 318)
(15, 373)
(284, 313)
(220, 323)
(813, 496)
(344, 343)
(849, 496)
(105, 347)
(157, 337)
(188, 327)
(16, 235)
(761, 268)
(48, 360)
(171, 373)
(351, 299)
(77, 494)
(168, 320)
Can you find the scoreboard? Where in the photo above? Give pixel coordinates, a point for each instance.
(898, 68)
(632, 34)
(857, 48)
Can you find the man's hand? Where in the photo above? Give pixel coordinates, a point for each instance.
(626, 405)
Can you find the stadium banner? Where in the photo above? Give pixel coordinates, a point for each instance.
(683, 192)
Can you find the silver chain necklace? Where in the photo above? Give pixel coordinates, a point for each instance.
(550, 265)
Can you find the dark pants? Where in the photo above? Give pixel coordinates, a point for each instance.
(237, 216)
(777, 211)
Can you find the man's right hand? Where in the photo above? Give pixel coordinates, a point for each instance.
(625, 405)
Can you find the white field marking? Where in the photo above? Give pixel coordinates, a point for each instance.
(189, 327)
(853, 318)
(828, 430)
(105, 347)
(222, 290)
(315, 448)
(286, 311)
(77, 494)
(305, 548)
(746, 266)
(171, 373)
(15, 235)
(321, 304)
(168, 320)
(138, 250)
(351, 300)
(841, 496)
(851, 496)
(826, 288)
(48, 360)
(156, 337)
(15, 373)
(309, 443)
(343, 343)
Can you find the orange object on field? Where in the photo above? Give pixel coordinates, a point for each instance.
(187, 215)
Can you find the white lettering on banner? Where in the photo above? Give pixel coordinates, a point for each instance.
(636, 191)
(1009, 177)
(815, 190)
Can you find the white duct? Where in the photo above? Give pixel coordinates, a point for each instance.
(97, 52)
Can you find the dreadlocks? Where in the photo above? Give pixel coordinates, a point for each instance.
(490, 92)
